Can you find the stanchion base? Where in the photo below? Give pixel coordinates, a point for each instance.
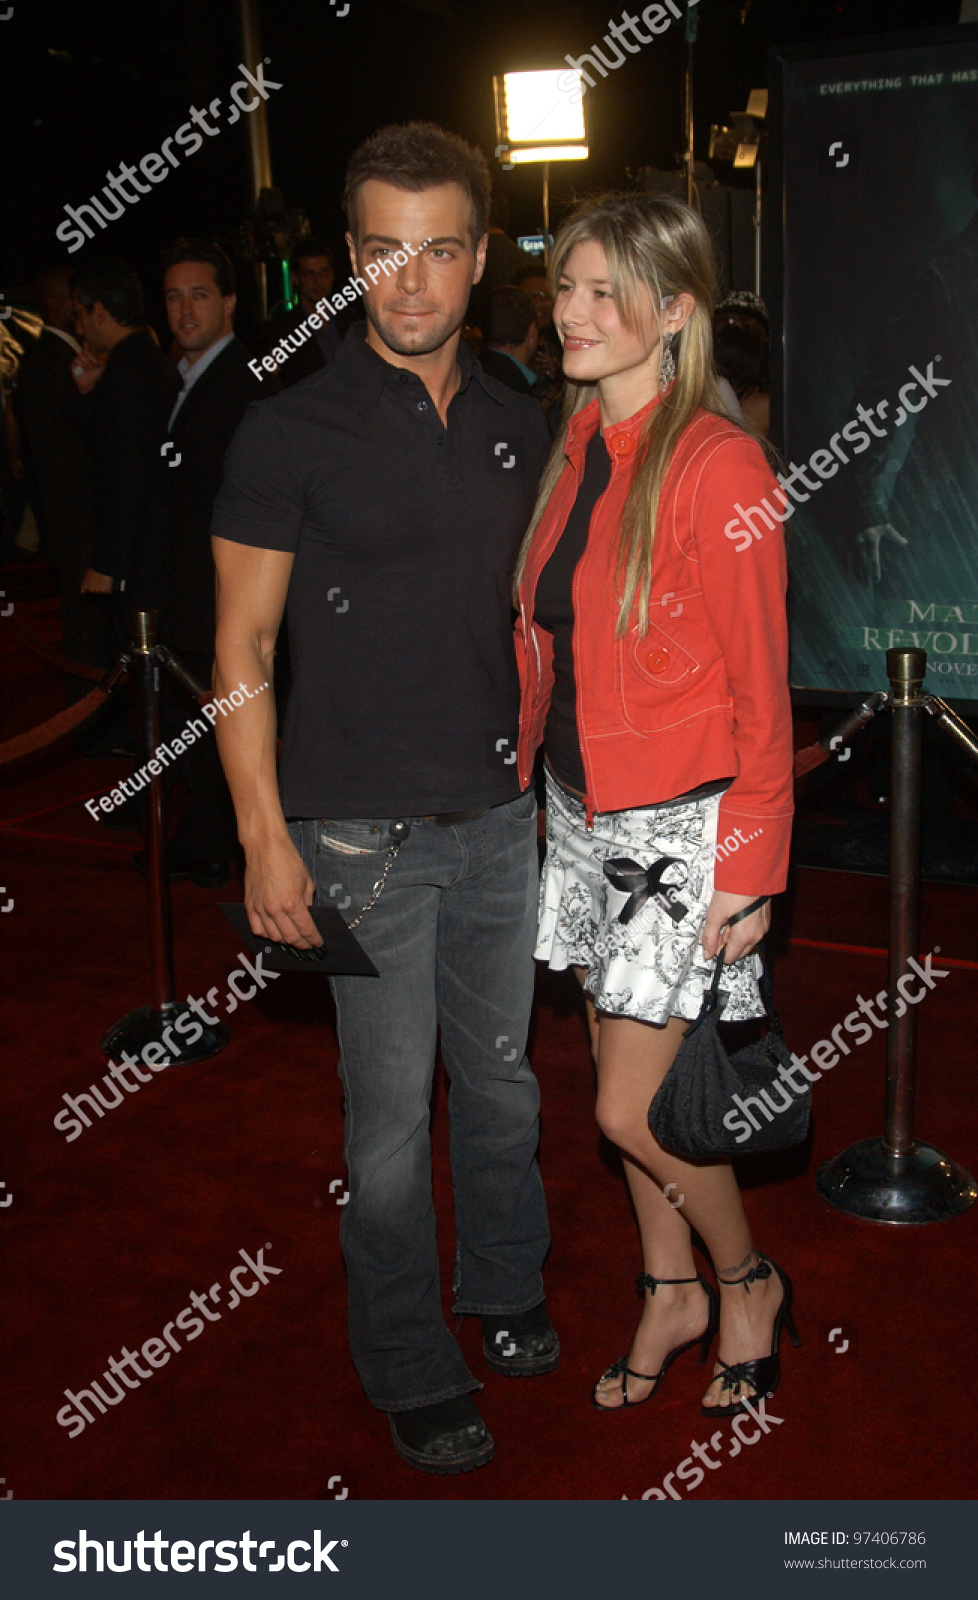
(133, 1032)
(925, 1186)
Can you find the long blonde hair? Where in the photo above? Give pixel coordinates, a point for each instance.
(657, 244)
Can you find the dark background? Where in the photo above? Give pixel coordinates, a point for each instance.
(88, 86)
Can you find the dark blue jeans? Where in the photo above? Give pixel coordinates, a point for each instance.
(452, 938)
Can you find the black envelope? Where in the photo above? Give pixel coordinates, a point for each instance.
(339, 951)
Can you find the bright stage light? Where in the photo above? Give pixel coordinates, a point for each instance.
(541, 107)
(554, 152)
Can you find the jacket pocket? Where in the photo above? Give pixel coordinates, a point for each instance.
(656, 658)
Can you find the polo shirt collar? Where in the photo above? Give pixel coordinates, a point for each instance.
(366, 372)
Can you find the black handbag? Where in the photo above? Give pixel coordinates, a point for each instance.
(713, 1104)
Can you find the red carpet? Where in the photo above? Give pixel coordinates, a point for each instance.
(109, 1234)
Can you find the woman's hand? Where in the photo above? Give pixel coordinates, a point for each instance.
(744, 936)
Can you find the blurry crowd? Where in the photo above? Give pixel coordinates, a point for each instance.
(114, 448)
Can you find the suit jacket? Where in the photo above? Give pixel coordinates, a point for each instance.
(201, 433)
(124, 419)
(54, 451)
(309, 357)
(499, 365)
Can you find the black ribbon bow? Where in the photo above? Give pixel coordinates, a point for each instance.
(642, 884)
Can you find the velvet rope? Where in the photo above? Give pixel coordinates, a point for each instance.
(54, 658)
(55, 728)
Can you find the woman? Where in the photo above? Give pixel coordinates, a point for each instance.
(652, 647)
(740, 353)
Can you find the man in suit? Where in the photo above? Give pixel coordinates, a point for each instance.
(509, 328)
(513, 349)
(127, 387)
(199, 290)
(313, 275)
(57, 471)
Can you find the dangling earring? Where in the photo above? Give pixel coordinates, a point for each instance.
(667, 365)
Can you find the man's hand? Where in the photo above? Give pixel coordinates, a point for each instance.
(96, 582)
(867, 556)
(744, 936)
(278, 889)
(86, 369)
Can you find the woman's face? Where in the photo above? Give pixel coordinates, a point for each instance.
(596, 343)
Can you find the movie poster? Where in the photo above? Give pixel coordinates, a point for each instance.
(880, 374)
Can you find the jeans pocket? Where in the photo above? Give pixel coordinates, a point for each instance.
(523, 809)
(353, 838)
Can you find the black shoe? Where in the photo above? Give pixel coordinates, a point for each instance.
(764, 1373)
(522, 1344)
(622, 1370)
(447, 1437)
(205, 874)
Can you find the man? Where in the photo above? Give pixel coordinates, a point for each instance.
(199, 290)
(313, 276)
(386, 499)
(509, 328)
(57, 470)
(504, 258)
(128, 387)
(533, 281)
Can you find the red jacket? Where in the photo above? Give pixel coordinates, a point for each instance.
(704, 693)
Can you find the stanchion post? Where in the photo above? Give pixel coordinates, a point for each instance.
(897, 1178)
(905, 669)
(146, 671)
(160, 1025)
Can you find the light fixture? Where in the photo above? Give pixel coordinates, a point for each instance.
(540, 117)
(549, 152)
(744, 144)
(540, 108)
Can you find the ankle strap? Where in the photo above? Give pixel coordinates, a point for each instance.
(762, 1270)
(645, 1281)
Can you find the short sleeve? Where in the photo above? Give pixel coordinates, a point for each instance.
(261, 499)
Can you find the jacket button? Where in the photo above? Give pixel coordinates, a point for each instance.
(657, 660)
(622, 443)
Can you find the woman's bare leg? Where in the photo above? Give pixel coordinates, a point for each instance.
(632, 1059)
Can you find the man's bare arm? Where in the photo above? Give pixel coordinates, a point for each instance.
(251, 589)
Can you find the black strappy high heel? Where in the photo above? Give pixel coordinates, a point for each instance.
(622, 1370)
(763, 1373)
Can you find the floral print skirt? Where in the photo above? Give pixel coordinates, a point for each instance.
(628, 901)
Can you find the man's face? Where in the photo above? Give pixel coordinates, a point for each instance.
(538, 290)
(196, 310)
(416, 308)
(314, 278)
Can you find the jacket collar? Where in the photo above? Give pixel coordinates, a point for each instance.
(621, 438)
(366, 372)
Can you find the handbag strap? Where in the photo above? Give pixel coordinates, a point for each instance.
(711, 996)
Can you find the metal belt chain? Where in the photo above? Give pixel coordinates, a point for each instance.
(378, 887)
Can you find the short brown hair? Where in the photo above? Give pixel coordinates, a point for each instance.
(507, 315)
(417, 156)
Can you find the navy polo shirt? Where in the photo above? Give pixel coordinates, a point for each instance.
(405, 698)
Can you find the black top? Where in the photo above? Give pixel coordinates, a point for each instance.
(405, 695)
(124, 419)
(499, 365)
(55, 455)
(202, 430)
(554, 610)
